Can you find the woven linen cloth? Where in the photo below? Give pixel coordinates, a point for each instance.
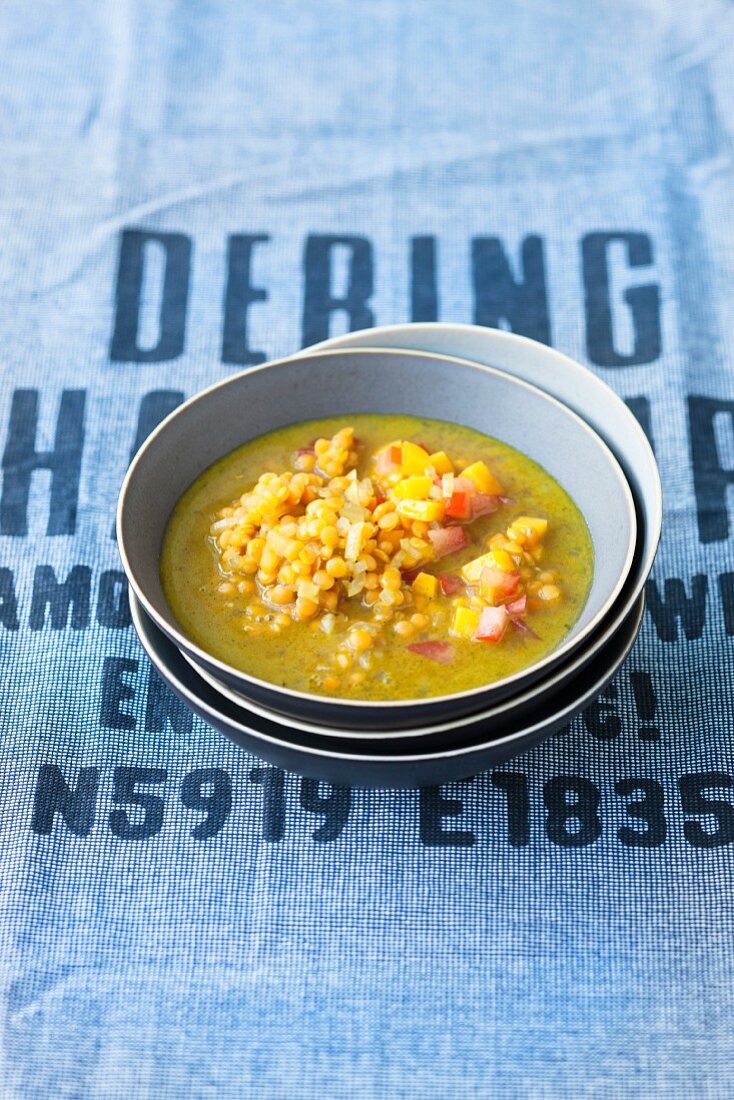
(190, 187)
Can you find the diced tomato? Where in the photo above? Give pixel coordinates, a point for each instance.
(484, 480)
(450, 584)
(447, 540)
(483, 505)
(443, 652)
(492, 624)
(460, 506)
(464, 485)
(518, 606)
(498, 586)
(389, 458)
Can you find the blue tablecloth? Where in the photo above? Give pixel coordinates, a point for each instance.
(193, 186)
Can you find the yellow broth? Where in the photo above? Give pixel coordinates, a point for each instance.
(296, 656)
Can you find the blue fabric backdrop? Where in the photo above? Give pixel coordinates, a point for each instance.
(190, 186)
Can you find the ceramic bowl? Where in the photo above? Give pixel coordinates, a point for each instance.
(223, 417)
(367, 764)
(492, 719)
(565, 379)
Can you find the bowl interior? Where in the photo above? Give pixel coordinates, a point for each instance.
(361, 380)
(540, 693)
(562, 377)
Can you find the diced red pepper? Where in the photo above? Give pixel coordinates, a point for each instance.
(443, 652)
(492, 624)
(450, 584)
(447, 540)
(460, 506)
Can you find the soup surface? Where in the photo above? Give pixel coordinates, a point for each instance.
(376, 557)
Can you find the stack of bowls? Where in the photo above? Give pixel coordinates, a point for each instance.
(500, 384)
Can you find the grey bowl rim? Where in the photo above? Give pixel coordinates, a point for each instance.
(636, 613)
(343, 342)
(555, 656)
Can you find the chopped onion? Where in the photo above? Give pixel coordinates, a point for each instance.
(446, 540)
(450, 584)
(308, 589)
(483, 505)
(328, 623)
(442, 652)
(352, 511)
(355, 540)
(523, 627)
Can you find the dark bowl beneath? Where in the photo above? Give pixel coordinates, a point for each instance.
(367, 763)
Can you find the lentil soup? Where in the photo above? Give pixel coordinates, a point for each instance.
(377, 557)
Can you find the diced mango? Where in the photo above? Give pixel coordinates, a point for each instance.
(503, 560)
(427, 511)
(528, 530)
(472, 571)
(485, 481)
(413, 488)
(513, 548)
(425, 584)
(535, 522)
(497, 540)
(415, 459)
(495, 559)
(441, 463)
(465, 622)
